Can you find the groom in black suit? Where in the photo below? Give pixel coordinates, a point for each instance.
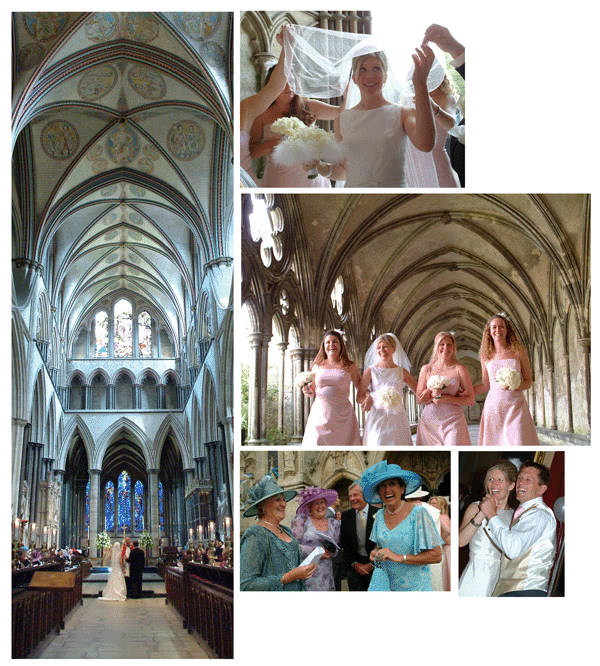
(357, 524)
(136, 560)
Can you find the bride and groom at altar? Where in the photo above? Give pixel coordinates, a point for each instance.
(127, 566)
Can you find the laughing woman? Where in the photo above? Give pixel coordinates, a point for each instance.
(270, 556)
(406, 537)
(332, 420)
(481, 573)
(312, 527)
(505, 419)
(443, 421)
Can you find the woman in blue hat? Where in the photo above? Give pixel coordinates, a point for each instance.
(406, 537)
(270, 556)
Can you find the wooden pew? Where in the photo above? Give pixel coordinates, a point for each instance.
(203, 595)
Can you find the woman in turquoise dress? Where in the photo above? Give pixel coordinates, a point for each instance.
(270, 557)
(406, 537)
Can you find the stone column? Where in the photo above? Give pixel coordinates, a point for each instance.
(137, 396)
(154, 517)
(282, 346)
(59, 477)
(257, 388)
(87, 396)
(308, 358)
(111, 337)
(18, 430)
(111, 392)
(160, 399)
(296, 356)
(567, 362)
(584, 345)
(551, 391)
(95, 509)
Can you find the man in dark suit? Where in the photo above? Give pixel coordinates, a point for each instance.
(357, 523)
(442, 38)
(136, 560)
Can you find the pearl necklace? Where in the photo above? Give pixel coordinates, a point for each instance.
(275, 527)
(395, 510)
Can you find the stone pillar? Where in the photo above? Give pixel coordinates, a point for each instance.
(111, 395)
(584, 344)
(59, 477)
(35, 480)
(160, 399)
(296, 356)
(18, 430)
(308, 358)
(137, 396)
(87, 396)
(154, 518)
(282, 346)
(257, 388)
(567, 362)
(111, 337)
(551, 391)
(95, 500)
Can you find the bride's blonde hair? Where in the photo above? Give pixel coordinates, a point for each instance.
(358, 60)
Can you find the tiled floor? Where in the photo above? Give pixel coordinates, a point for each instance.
(132, 629)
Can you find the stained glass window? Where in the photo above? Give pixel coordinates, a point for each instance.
(109, 506)
(138, 506)
(101, 333)
(160, 504)
(123, 329)
(87, 504)
(124, 501)
(145, 334)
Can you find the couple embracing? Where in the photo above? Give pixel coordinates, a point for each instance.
(127, 564)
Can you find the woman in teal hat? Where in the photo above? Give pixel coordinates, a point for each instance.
(406, 537)
(269, 554)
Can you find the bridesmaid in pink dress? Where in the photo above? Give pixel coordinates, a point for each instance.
(332, 421)
(506, 419)
(443, 422)
(252, 107)
(441, 503)
(445, 119)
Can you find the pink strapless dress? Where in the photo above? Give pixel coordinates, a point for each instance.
(245, 159)
(506, 420)
(332, 421)
(443, 425)
(281, 176)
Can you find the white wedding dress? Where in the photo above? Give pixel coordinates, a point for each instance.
(386, 427)
(115, 589)
(480, 576)
(374, 144)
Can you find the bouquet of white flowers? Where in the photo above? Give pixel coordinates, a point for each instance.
(102, 540)
(303, 145)
(438, 382)
(509, 378)
(388, 398)
(304, 379)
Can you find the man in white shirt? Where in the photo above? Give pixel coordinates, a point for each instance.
(357, 524)
(529, 544)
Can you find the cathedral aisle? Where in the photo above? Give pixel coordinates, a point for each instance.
(134, 629)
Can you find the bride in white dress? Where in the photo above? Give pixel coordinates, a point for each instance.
(386, 367)
(480, 576)
(115, 589)
(379, 116)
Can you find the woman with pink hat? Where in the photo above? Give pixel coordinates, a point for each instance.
(313, 528)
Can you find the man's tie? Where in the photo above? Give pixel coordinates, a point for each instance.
(518, 511)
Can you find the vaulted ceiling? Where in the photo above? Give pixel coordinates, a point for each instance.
(415, 264)
(122, 133)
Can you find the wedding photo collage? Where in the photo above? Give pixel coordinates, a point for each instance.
(230, 378)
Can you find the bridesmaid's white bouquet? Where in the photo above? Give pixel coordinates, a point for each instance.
(304, 379)
(304, 145)
(509, 378)
(388, 397)
(438, 382)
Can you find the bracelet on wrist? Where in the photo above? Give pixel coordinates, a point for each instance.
(476, 524)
